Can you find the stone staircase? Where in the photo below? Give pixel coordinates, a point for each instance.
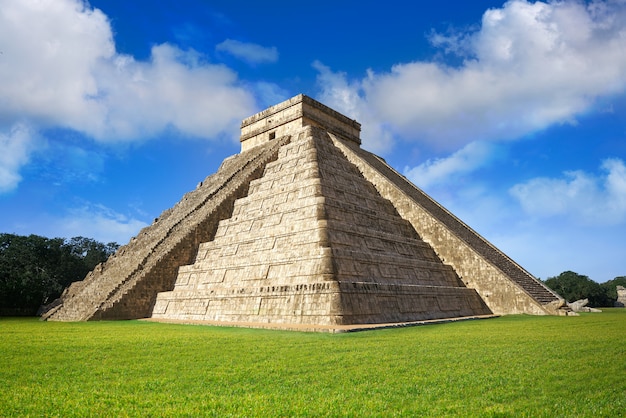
(525, 280)
(125, 286)
(303, 227)
(386, 271)
(515, 273)
(313, 242)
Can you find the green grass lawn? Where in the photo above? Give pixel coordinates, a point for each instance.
(508, 366)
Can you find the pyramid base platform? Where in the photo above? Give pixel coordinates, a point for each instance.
(333, 329)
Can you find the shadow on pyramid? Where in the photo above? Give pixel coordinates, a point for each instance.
(303, 229)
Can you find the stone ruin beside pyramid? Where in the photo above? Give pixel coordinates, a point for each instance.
(303, 229)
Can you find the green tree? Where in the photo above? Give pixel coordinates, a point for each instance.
(610, 288)
(573, 286)
(91, 251)
(34, 270)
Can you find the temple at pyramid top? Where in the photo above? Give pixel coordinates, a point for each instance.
(304, 229)
(292, 115)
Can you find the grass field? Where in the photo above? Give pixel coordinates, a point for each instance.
(508, 366)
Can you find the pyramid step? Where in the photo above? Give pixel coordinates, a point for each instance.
(281, 243)
(304, 227)
(394, 186)
(141, 258)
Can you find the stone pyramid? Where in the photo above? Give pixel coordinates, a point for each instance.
(305, 230)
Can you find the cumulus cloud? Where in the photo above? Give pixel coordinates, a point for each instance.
(463, 161)
(174, 89)
(50, 49)
(529, 65)
(16, 146)
(96, 221)
(60, 68)
(545, 244)
(596, 199)
(249, 52)
(343, 95)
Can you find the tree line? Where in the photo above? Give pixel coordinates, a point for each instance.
(34, 270)
(573, 286)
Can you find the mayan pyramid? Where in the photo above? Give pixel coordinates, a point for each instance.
(304, 229)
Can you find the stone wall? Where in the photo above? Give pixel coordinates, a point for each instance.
(314, 243)
(305, 227)
(126, 285)
(292, 115)
(268, 262)
(504, 286)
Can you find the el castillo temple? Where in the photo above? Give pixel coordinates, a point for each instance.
(304, 229)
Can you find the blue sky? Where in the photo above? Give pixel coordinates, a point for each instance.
(510, 114)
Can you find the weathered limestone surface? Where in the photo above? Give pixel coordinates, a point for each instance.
(314, 243)
(621, 297)
(125, 286)
(581, 306)
(303, 227)
(292, 115)
(504, 286)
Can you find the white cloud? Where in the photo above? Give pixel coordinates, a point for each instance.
(529, 66)
(343, 96)
(269, 94)
(249, 52)
(50, 49)
(587, 198)
(87, 219)
(16, 147)
(463, 161)
(174, 89)
(96, 221)
(59, 68)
